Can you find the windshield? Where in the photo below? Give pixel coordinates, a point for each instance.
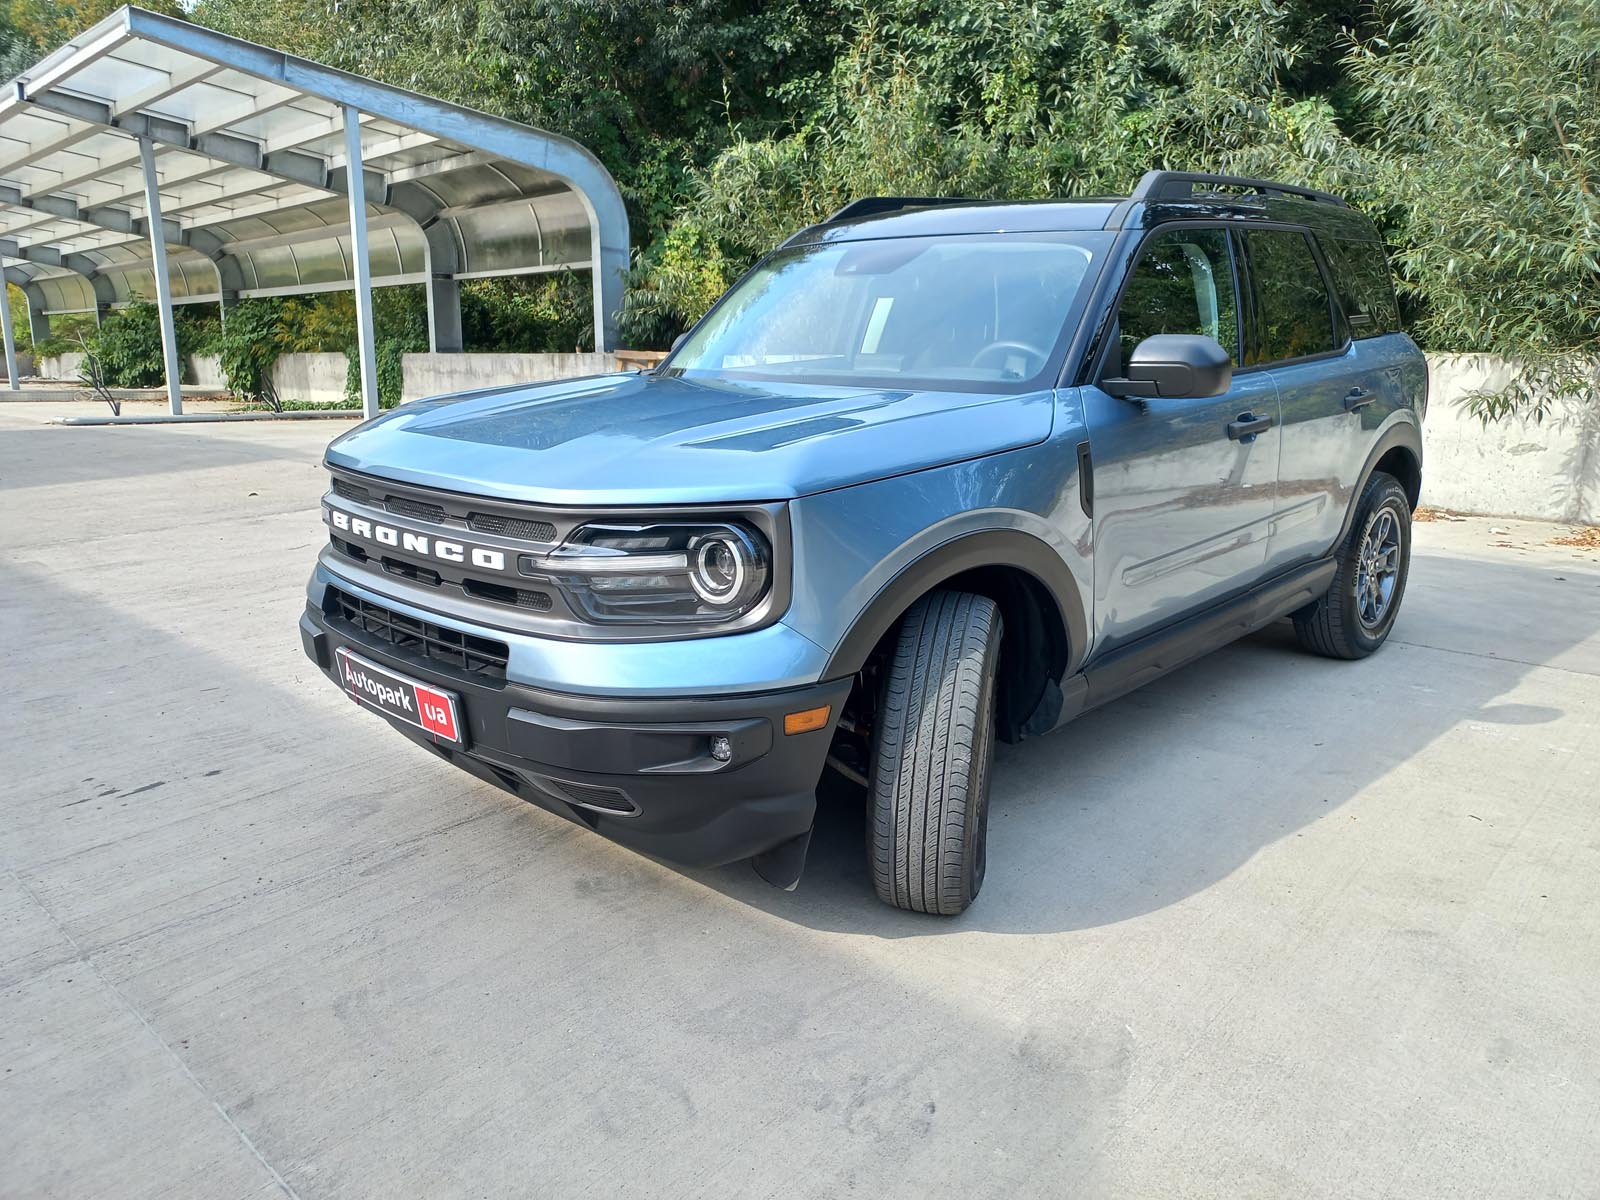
(970, 312)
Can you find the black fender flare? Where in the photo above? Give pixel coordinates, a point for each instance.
(981, 548)
(1405, 435)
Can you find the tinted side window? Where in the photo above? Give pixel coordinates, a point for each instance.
(1294, 317)
(1183, 283)
(1361, 277)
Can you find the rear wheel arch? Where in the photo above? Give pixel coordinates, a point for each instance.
(1403, 464)
(1046, 628)
(1397, 452)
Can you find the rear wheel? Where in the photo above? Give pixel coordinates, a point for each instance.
(1355, 615)
(928, 789)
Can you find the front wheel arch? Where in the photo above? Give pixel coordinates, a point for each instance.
(1037, 597)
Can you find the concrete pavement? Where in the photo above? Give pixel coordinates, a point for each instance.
(1272, 926)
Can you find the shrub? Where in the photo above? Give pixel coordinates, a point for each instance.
(535, 314)
(391, 377)
(127, 346)
(248, 345)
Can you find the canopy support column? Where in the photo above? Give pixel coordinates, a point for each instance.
(158, 265)
(365, 339)
(444, 315)
(10, 337)
(38, 322)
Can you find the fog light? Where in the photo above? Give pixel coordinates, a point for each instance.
(721, 748)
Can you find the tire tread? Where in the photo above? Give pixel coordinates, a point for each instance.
(935, 720)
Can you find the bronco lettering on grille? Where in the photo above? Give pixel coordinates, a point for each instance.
(424, 545)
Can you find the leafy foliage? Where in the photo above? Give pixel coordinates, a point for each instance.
(17, 303)
(1468, 128)
(127, 346)
(388, 368)
(67, 333)
(252, 339)
(17, 50)
(47, 23)
(1486, 147)
(535, 314)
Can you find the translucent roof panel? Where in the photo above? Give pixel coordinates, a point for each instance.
(52, 291)
(249, 154)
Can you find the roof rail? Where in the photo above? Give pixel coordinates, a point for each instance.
(1182, 185)
(871, 206)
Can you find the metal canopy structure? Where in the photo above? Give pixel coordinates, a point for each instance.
(151, 157)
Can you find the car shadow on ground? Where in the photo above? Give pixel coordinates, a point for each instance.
(1157, 796)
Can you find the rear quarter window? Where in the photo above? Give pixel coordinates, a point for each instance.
(1365, 289)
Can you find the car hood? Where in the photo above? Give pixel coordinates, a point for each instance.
(645, 439)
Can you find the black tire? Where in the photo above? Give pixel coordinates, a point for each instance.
(1334, 625)
(928, 790)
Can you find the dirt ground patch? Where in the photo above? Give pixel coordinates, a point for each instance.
(1586, 537)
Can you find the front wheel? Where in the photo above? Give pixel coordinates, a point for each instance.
(1356, 614)
(929, 783)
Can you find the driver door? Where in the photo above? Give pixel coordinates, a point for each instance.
(1182, 509)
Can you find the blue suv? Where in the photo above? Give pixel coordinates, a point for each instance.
(933, 472)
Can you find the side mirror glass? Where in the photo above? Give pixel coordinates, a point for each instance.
(1174, 365)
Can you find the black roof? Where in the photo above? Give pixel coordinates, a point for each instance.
(1160, 196)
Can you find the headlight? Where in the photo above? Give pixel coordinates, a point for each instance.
(683, 573)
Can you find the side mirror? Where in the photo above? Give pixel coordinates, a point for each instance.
(678, 341)
(1174, 365)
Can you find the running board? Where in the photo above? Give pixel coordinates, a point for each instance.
(1120, 671)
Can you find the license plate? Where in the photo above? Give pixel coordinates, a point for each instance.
(406, 699)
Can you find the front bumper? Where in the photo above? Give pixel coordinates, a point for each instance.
(637, 770)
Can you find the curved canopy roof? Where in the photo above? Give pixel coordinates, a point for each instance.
(249, 148)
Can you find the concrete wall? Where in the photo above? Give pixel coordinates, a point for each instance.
(440, 374)
(60, 366)
(314, 378)
(205, 371)
(1548, 471)
(320, 378)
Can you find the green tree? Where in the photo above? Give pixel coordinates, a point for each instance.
(1467, 128)
(18, 304)
(46, 24)
(1485, 147)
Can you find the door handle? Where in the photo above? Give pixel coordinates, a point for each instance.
(1358, 397)
(1247, 426)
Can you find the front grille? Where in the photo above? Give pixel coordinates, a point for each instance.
(349, 549)
(420, 639)
(521, 528)
(411, 571)
(401, 505)
(515, 527)
(499, 593)
(415, 508)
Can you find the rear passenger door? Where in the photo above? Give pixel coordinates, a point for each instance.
(1300, 337)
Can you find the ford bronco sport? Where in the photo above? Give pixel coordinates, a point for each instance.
(933, 472)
